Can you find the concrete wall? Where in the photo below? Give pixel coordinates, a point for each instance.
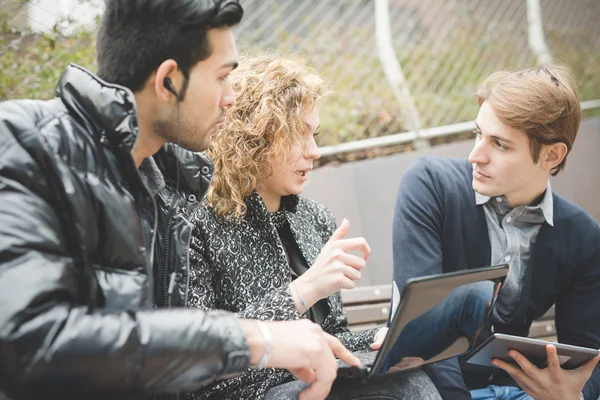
(364, 192)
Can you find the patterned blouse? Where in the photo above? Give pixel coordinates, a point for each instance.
(242, 267)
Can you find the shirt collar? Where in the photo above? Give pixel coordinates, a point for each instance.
(546, 205)
(481, 199)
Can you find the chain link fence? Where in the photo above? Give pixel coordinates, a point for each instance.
(445, 48)
(438, 51)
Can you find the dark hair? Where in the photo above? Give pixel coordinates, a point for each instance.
(135, 36)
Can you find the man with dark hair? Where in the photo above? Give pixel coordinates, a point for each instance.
(498, 207)
(89, 247)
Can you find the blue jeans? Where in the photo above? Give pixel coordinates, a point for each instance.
(494, 392)
(459, 315)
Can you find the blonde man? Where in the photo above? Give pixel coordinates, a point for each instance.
(498, 207)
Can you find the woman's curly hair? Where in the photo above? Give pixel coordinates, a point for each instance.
(272, 99)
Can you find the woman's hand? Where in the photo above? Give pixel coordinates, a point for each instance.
(334, 269)
(379, 338)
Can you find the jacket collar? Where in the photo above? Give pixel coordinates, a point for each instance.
(103, 107)
(195, 169)
(110, 109)
(258, 210)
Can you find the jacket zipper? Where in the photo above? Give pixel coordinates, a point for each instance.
(166, 276)
(187, 260)
(173, 275)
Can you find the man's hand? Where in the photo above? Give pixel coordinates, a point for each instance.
(304, 349)
(334, 269)
(552, 382)
(379, 338)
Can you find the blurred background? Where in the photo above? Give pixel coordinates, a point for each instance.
(402, 72)
(394, 65)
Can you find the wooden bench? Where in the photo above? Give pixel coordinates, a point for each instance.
(369, 307)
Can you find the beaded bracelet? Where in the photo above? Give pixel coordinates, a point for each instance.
(300, 298)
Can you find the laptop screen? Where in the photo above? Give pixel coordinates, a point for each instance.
(439, 316)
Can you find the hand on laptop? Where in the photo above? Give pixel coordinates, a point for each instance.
(334, 269)
(379, 338)
(302, 348)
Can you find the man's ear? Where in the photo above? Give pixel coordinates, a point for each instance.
(168, 69)
(553, 154)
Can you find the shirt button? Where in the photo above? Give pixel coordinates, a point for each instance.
(499, 199)
(507, 258)
(508, 219)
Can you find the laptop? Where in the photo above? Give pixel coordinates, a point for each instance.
(420, 296)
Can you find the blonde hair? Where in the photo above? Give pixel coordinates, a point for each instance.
(541, 102)
(272, 97)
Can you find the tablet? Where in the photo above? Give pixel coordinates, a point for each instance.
(497, 346)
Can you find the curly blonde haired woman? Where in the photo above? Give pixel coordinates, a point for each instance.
(259, 249)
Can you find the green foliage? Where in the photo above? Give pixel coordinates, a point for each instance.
(31, 64)
(579, 51)
(442, 74)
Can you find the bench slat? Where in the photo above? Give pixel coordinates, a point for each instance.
(367, 294)
(364, 327)
(549, 315)
(541, 329)
(361, 314)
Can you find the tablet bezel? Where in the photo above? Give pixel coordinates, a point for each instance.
(497, 346)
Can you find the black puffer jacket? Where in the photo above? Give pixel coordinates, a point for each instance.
(77, 227)
(178, 180)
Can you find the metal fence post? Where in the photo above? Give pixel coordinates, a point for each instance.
(535, 33)
(393, 72)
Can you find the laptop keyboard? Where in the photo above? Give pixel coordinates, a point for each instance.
(366, 357)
